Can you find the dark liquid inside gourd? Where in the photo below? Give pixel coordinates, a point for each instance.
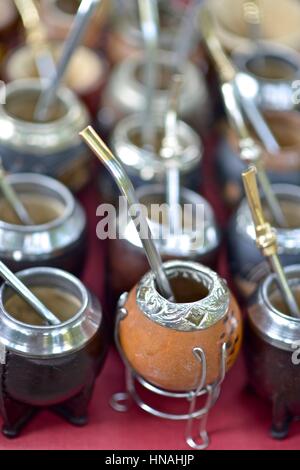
(271, 68)
(277, 300)
(22, 106)
(187, 290)
(42, 209)
(63, 305)
(136, 139)
(68, 6)
(291, 210)
(163, 79)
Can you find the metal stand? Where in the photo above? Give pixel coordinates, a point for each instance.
(121, 401)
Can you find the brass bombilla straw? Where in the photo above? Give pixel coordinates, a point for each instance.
(266, 239)
(13, 199)
(36, 38)
(250, 151)
(80, 23)
(169, 151)
(149, 19)
(115, 167)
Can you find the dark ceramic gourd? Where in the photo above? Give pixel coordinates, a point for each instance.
(272, 338)
(50, 366)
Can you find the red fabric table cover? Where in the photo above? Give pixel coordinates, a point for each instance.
(239, 420)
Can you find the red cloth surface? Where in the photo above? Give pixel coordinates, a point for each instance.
(239, 419)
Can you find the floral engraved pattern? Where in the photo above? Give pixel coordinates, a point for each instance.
(185, 316)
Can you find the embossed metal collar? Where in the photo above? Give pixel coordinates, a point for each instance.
(184, 316)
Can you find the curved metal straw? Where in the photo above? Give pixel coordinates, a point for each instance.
(168, 151)
(82, 18)
(27, 295)
(250, 150)
(36, 38)
(266, 239)
(115, 167)
(149, 19)
(13, 199)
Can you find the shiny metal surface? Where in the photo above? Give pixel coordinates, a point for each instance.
(81, 20)
(50, 341)
(19, 287)
(126, 188)
(186, 316)
(13, 199)
(126, 94)
(35, 243)
(272, 94)
(149, 20)
(274, 327)
(148, 165)
(288, 239)
(52, 148)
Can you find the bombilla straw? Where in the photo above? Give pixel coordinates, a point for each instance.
(244, 86)
(250, 151)
(27, 295)
(247, 89)
(36, 38)
(266, 239)
(149, 19)
(13, 199)
(82, 18)
(115, 167)
(185, 37)
(169, 151)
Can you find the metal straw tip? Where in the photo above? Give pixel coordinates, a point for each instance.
(86, 130)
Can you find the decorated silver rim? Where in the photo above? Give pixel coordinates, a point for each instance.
(273, 326)
(45, 341)
(184, 316)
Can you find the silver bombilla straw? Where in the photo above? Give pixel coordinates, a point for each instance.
(81, 21)
(250, 151)
(27, 295)
(150, 29)
(266, 239)
(247, 90)
(36, 38)
(13, 199)
(169, 152)
(116, 169)
(185, 37)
